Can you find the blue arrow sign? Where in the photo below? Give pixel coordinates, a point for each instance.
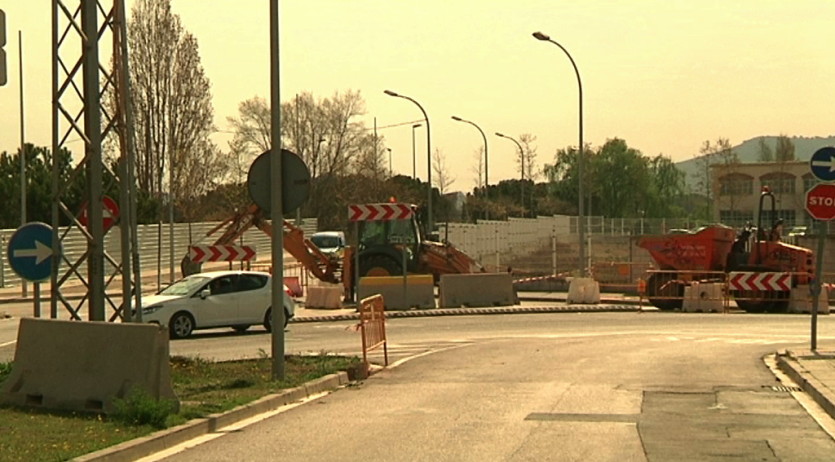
(30, 251)
(822, 164)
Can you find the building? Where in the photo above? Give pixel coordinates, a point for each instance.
(736, 190)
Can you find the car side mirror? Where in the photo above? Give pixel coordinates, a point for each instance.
(205, 293)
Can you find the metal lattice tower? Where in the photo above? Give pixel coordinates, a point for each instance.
(80, 84)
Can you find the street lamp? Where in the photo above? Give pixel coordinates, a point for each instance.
(429, 222)
(458, 119)
(414, 164)
(581, 225)
(521, 162)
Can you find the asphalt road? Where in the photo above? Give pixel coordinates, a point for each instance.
(589, 386)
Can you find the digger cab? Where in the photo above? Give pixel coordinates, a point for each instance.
(384, 243)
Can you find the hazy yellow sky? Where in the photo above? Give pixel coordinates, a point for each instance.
(665, 75)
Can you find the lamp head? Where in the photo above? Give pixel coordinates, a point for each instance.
(390, 93)
(417, 125)
(499, 134)
(541, 36)
(456, 118)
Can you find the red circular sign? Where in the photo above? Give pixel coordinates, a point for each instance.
(110, 212)
(820, 202)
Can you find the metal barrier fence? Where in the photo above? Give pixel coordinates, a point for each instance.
(372, 327)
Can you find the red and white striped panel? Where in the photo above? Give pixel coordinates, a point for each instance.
(204, 253)
(379, 212)
(760, 281)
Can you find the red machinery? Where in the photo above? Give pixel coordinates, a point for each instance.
(715, 249)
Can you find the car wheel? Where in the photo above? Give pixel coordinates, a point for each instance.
(268, 319)
(181, 325)
(241, 329)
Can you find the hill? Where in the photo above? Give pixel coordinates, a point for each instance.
(749, 151)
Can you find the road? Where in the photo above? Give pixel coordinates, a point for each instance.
(592, 386)
(552, 386)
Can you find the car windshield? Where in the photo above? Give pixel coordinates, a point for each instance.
(184, 286)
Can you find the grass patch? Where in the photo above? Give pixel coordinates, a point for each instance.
(203, 387)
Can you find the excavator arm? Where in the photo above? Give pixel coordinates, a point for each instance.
(301, 248)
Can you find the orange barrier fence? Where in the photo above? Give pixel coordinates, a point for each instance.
(373, 327)
(295, 276)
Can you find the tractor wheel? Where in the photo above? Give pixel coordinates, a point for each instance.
(379, 265)
(663, 293)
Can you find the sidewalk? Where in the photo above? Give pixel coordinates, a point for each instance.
(814, 372)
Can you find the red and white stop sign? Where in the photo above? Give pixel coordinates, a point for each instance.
(820, 202)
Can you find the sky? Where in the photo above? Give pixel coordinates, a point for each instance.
(664, 75)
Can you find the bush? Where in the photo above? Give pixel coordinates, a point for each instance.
(139, 408)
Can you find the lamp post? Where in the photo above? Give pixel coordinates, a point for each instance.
(521, 162)
(581, 224)
(391, 172)
(414, 164)
(429, 220)
(458, 119)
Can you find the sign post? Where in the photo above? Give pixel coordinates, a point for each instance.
(820, 203)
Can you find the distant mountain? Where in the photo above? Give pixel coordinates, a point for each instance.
(749, 151)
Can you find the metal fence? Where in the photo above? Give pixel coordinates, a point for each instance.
(155, 247)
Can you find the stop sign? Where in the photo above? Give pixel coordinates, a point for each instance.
(820, 202)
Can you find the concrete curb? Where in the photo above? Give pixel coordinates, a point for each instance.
(475, 311)
(165, 439)
(789, 363)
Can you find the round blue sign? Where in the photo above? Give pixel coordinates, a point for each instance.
(30, 251)
(822, 164)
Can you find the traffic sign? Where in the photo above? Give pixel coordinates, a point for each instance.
(295, 181)
(379, 212)
(110, 213)
(820, 201)
(30, 251)
(203, 253)
(822, 164)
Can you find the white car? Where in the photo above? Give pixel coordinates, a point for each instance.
(236, 299)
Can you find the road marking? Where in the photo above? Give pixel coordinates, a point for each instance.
(8, 343)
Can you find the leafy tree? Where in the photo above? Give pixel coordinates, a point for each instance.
(785, 149)
(766, 154)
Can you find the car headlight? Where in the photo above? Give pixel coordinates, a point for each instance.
(151, 309)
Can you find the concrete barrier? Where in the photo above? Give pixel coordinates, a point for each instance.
(327, 296)
(703, 297)
(583, 290)
(800, 300)
(86, 366)
(416, 291)
(476, 290)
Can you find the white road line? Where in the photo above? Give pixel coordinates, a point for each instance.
(8, 343)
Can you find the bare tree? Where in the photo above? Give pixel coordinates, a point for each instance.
(443, 179)
(478, 168)
(528, 156)
(172, 106)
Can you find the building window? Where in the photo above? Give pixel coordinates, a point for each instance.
(735, 184)
(788, 216)
(736, 218)
(809, 181)
(779, 183)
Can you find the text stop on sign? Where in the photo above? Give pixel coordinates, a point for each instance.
(820, 202)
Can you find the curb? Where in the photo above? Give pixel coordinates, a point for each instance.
(164, 439)
(475, 311)
(789, 364)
